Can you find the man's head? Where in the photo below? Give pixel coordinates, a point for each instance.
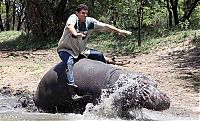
(82, 12)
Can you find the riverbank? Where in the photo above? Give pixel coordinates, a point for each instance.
(177, 71)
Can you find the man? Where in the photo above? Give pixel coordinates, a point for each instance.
(73, 42)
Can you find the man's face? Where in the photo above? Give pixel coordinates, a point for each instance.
(82, 15)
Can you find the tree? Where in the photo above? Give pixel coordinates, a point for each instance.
(7, 3)
(1, 23)
(140, 19)
(43, 18)
(190, 5)
(172, 7)
(38, 17)
(58, 15)
(13, 15)
(170, 21)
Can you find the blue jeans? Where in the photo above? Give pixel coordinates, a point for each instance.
(68, 60)
(95, 55)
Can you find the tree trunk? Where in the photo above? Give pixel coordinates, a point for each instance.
(170, 21)
(19, 23)
(174, 5)
(59, 15)
(39, 18)
(7, 3)
(19, 15)
(140, 19)
(189, 10)
(13, 23)
(1, 23)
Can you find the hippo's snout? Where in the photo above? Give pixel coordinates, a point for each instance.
(154, 99)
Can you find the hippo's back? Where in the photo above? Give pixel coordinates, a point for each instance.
(92, 76)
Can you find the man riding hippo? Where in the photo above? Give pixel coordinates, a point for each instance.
(56, 90)
(74, 39)
(133, 91)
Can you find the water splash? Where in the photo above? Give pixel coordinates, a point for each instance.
(125, 93)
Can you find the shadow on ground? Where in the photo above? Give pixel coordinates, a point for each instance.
(188, 63)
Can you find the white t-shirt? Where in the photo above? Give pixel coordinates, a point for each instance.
(72, 44)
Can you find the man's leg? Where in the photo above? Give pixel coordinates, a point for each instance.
(69, 62)
(95, 55)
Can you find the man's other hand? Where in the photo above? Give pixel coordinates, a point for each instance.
(125, 32)
(80, 35)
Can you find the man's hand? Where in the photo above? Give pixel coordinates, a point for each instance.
(74, 33)
(79, 35)
(114, 29)
(124, 32)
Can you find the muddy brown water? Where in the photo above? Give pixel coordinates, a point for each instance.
(18, 106)
(11, 110)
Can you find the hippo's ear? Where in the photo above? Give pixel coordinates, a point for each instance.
(153, 99)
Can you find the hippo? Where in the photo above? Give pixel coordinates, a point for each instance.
(53, 95)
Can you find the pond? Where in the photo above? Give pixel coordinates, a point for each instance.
(12, 109)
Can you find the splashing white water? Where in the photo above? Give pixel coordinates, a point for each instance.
(107, 107)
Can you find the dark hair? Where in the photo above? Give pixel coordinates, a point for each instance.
(81, 7)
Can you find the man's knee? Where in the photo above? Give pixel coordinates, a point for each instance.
(97, 56)
(70, 62)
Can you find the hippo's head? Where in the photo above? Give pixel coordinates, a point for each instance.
(140, 92)
(154, 99)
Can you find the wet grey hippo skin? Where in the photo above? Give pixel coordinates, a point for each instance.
(53, 94)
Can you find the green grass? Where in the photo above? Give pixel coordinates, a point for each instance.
(128, 45)
(9, 35)
(12, 40)
(16, 40)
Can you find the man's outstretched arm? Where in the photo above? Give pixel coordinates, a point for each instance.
(120, 31)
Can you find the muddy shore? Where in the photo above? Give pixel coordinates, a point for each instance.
(177, 76)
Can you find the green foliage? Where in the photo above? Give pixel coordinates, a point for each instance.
(17, 40)
(127, 45)
(195, 18)
(113, 43)
(127, 13)
(13, 40)
(184, 25)
(123, 13)
(196, 39)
